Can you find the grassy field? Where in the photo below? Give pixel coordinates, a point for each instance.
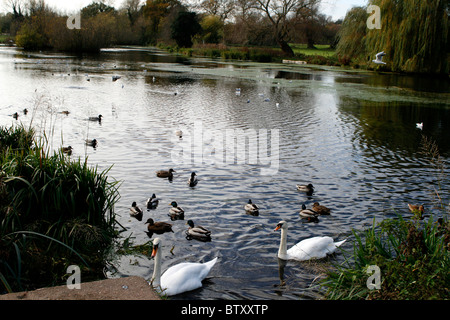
(322, 50)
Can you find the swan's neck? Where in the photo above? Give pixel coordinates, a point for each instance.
(282, 251)
(156, 278)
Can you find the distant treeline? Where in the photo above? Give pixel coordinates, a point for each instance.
(35, 25)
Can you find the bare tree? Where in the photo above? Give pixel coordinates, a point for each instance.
(281, 13)
(220, 8)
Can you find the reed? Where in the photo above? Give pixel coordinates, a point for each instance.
(47, 200)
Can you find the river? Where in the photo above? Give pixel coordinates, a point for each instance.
(250, 131)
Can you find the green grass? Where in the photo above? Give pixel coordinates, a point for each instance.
(322, 50)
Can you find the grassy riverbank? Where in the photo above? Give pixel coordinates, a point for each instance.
(54, 212)
(322, 55)
(412, 254)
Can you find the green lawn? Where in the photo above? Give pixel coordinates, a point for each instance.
(322, 50)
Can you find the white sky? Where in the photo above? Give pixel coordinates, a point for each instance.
(334, 8)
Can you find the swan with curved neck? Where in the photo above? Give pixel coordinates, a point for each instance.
(311, 248)
(179, 278)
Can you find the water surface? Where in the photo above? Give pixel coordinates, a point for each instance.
(350, 133)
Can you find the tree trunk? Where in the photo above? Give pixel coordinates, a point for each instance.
(285, 47)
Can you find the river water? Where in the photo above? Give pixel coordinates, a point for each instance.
(250, 131)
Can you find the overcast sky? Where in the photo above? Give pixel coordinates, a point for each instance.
(334, 8)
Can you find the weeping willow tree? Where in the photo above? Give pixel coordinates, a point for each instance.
(414, 34)
(351, 35)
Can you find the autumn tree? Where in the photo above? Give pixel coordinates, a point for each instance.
(184, 27)
(281, 14)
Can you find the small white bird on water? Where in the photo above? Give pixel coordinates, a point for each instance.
(379, 56)
(419, 125)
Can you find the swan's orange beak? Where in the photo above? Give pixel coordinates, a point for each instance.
(154, 251)
(277, 227)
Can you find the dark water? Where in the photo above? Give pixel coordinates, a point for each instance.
(350, 133)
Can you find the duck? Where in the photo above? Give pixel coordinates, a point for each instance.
(175, 212)
(91, 143)
(99, 118)
(152, 202)
(179, 133)
(251, 208)
(115, 78)
(183, 277)
(192, 180)
(413, 208)
(67, 150)
(417, 210)
(197, 232)
(165, 173)
(135, 210)
(309, 188)
(311, 248)
(307, 213)
(158, 227)
(322, 210)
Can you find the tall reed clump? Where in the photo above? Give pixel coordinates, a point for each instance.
(413, 253)
(54, 212)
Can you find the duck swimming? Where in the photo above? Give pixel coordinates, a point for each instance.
(307, 213)
(192, 180)
(309, 188)
(91, 143)
(176, 212)
(251, 208)
(99, 118)
(197, 232)
(152, 202)
(67, 150)
(322, 210)
(158, 227)
(135, 210)
(165, 173)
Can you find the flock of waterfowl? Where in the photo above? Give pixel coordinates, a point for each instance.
(188, 276)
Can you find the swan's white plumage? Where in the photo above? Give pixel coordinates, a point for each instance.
(311, 248)
(179, 278)
(185, 276)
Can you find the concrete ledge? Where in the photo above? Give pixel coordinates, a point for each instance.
(128, 288)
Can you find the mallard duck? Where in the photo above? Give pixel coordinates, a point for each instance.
(175, 212)
(197, 232)
(185, 276)
(322, 210)
(135, 210)
(99, 118)
(152, 202)
(311, 248)
(192, 180)
(91, 143)
(416, 208)
(158, 227)
(307, 213)
(251, 208)
(67, 150)
(165, 173)
(417, 211)
(309, 188)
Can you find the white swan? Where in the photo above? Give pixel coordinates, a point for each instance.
(179, 278)
(312, 248)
